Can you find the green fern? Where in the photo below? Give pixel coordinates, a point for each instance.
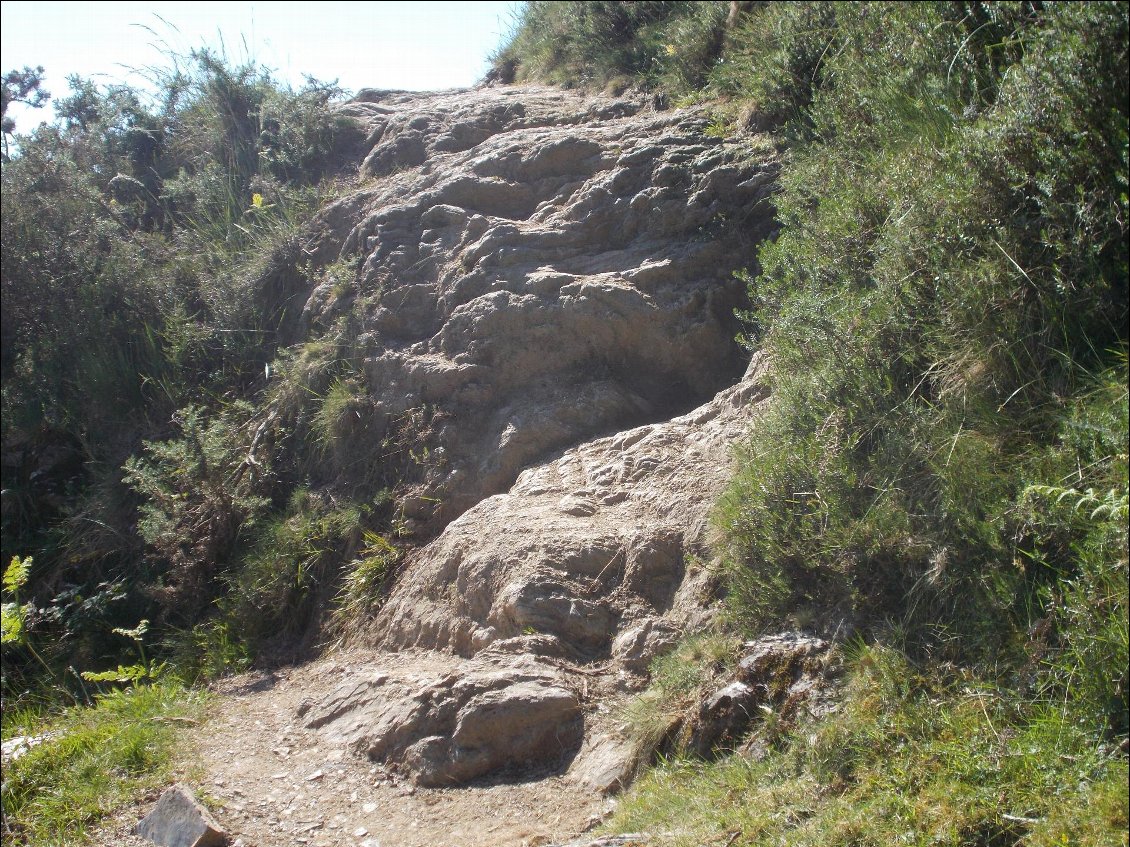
(1112, 505)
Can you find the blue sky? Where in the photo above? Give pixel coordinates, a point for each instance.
(411, 45)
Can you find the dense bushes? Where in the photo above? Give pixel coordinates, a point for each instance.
(150, 255)
(657, 42)
(943, 469)
(950, 276)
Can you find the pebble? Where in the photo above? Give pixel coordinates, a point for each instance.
(360, 832)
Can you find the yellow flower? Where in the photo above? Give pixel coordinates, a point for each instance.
(257, 200)
(670, 49)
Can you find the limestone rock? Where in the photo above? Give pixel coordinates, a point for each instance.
(724, 717)
(451, 728)
(631, 839)
(179, 821)
(605, 764)
(543, 305)
(537, 268)
(782, 673)
(611, 579)
(790, 671)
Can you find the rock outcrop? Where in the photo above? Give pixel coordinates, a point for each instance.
(783, 674)
(536, 269)
(476, 718)
(551, 278)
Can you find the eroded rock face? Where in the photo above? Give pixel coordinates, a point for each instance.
(538, 268)
(783, 673)
(551, 277)
(590, 550)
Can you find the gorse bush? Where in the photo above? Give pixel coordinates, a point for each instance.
(668, 43)
(932, 298)
(150, 262)
(943, 466)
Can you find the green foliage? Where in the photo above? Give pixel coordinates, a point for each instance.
(591, 44)
(23, 86)
(926, 316)
(292, 569)
(913, 756)
(367, 575)
(12, 613)
(339, 413)
(200, 491)
(659, 719)
(91, 761)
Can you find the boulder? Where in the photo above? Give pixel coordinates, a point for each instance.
(723, 718)
(589, 550)
(606, 763)
(513, 714)
(778, 673)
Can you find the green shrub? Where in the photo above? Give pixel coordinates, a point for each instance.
(926, 314)
(293, 569)
(366, 580)
(200, 491)
(592, 43)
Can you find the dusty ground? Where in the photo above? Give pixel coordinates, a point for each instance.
(271, 783)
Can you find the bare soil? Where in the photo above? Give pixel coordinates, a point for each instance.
(271, 783)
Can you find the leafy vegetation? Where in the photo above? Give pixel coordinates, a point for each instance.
(910, 758)
(943, 471)
(90, 760)
(164, 441)
(181, 484)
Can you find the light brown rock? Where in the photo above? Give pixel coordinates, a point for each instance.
(538, 268)
(546, 298)
(513, 713)
(179, 821)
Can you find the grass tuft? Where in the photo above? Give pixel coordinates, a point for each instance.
(96, 759)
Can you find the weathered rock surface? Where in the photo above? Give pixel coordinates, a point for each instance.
(782, 673)
(179, 821)
(538, 268)
(547, 279)
(501, 712)
(590, 550)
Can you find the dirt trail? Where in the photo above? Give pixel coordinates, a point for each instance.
(272, 783)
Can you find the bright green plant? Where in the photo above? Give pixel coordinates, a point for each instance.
(200, 491)
(142, 671)
(292, 569)
(92, 760)
(365, 580)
